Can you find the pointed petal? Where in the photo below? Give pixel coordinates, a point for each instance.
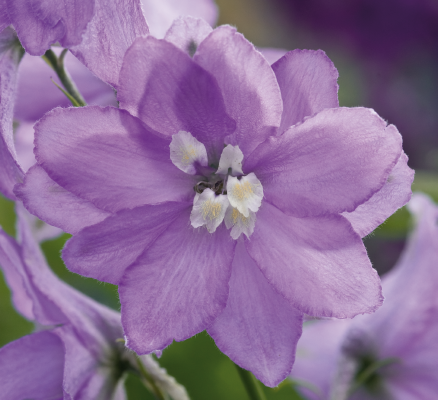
(168, 91)
(11, 265)
(172, 295)
(32, 367)
(109, 158)
(319, 264)
(52, 203)
(394, 194)
(187, 33)
(114, 27)
(272, 55)
(248, 84)
(330, 163)
(41, 23)
(308, 84)
(258, 329)
(10, 55)
(103, 251)
(161, 14)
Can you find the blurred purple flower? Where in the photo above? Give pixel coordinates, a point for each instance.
(75, 353)
(294, 162)
(97, 31)
(331, 354)
(394, 43)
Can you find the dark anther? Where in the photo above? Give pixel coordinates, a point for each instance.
(218, 186)
(191, 48)
(201, 186)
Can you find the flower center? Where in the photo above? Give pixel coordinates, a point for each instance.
(224, 195)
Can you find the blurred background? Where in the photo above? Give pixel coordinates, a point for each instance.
(386, 52)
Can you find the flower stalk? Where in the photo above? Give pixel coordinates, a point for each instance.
(252, 385)
(57, 64)
(149, 382)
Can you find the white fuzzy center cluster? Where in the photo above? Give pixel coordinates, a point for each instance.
(225, 194)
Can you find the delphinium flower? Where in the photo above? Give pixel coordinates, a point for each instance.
(213, 196)
(76, 351)
(392, 354)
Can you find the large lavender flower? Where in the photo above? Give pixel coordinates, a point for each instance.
(207, 144)
(400, 338)
(75, 353)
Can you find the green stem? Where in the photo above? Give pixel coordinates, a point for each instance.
(57, 65)
(367, 372)
(149, 382)
(251, 384)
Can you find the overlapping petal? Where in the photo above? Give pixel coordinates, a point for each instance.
(187, 33)
(114, 27)
(109, 158)
(168, 91)
(177, 287)
(40, 23)
(161, 14)
(251, 93)
(10, 55)
(394, 194)
(104, 250)
(330, 163)
(39, 358)
(258, 329)
(308, 84)
(52, 203)
(319, 264)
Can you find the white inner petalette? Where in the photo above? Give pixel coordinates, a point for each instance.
(225, 194)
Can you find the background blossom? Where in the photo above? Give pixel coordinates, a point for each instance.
(331, 354)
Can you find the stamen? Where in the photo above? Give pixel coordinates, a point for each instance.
(239, 223)
(186, 152)
(245, 194)
(231, 161)
(209, 210)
